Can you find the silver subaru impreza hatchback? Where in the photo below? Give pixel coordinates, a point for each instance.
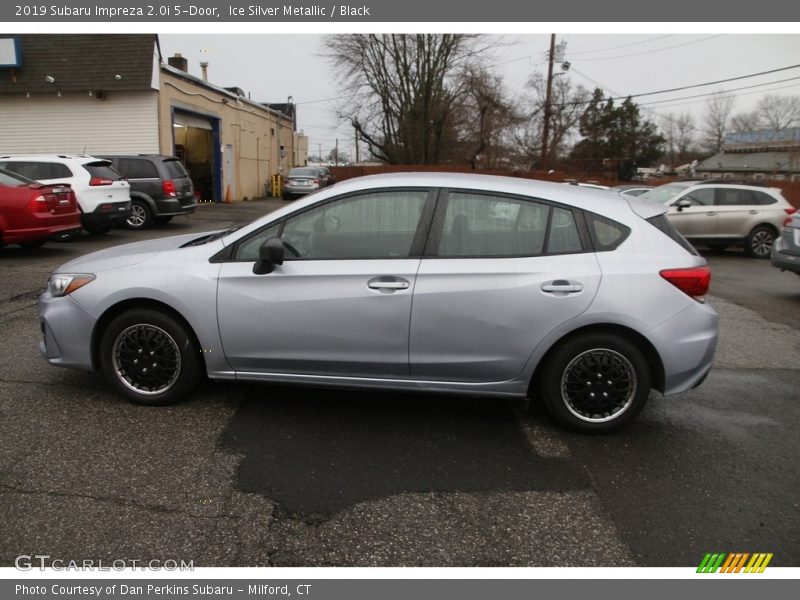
(466, 284)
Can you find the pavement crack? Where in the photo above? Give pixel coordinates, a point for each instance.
(118, 502)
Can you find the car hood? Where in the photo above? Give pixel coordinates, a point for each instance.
(127, 254)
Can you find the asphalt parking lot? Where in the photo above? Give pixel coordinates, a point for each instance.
(248, 475)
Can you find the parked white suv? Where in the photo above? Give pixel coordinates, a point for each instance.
(103, 194)
(717, 214)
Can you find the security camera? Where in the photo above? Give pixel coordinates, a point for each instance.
(118, 77)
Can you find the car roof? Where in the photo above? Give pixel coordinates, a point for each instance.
(81, 158)
(587, 198)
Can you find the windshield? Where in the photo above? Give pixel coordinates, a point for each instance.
(665, 193)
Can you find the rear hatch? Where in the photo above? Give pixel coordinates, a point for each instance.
(184, 190)
(106, 185)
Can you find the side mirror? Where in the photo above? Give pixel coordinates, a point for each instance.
(270, 253)
(681, 204)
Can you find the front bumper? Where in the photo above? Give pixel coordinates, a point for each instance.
(66, 331)
(299, 190)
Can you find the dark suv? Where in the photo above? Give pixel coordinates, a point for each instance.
(160, 188)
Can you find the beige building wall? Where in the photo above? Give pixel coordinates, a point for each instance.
(253, 133)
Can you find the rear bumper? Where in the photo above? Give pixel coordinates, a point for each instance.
(170, 207)
(46, 227)
(113, 213)
(686, 344)
(783, 259)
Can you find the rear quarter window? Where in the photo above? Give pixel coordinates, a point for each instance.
(606, 234)
(664, 226)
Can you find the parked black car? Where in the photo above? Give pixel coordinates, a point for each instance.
(160, 188)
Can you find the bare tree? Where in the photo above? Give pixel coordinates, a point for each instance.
(747, 121)
(717, 119)
(403, 90)
(568, 103)
(779, 112)
(484, 119)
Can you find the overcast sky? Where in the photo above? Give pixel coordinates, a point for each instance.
(272, 67)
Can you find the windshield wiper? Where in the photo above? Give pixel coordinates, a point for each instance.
(210, 237)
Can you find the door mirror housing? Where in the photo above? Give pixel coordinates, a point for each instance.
(270, 254)
(681, 204)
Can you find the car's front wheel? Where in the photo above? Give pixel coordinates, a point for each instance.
(149, 357)
(759, 242)
(595, 382)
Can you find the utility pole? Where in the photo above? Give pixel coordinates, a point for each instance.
(547, 100)
(336, 158)
(357, 157)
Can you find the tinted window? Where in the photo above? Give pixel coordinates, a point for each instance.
(137, 168)
(606, 234)
(102, 170)
(761, 199)
(248, 249)
(374, 225)
(700, 197)
(175, 169)
(733, 197)
(38, 170)
(563, 234)
(484, 225)
(664, 226)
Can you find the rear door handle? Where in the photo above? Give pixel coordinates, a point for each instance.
(562, 287)
(388, 283)
(711, 214)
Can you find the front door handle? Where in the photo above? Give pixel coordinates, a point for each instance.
(711, 213)
(388, 283)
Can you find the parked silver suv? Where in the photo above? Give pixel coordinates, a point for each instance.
(717, 214)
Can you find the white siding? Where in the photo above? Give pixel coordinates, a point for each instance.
(125, 122)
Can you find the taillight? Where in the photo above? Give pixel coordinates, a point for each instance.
(790, 212)
(100, 181)
(693, 282)
(168, 187)
(39, 204)
(316, 181)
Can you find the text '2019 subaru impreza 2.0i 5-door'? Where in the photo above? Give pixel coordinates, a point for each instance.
(464, 284)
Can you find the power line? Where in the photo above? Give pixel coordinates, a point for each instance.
(746, 87)
(685, 87)
(661, 37)
(711, 37)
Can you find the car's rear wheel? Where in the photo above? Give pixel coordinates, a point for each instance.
(149, 357)
(595, 382)
(140, 216)
(759, 242)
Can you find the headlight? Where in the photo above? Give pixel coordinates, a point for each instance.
(62, 284)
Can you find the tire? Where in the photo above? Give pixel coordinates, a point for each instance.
(162, 220)
(140, 217)
(759, 242)
(596, 363)
(145, 332)
(98, 230)
(33, 244)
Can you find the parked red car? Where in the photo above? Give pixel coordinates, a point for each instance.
(31, 213)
